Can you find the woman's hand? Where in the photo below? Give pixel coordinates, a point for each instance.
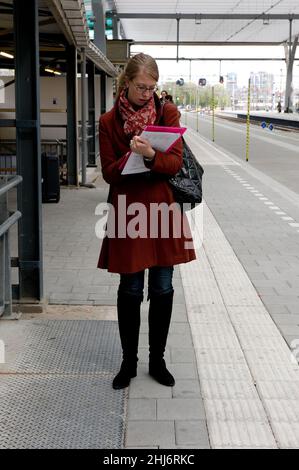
(142, 147)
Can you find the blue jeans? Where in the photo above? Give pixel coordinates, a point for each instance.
(159, 282)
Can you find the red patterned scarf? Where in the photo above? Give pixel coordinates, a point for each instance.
(136, 121)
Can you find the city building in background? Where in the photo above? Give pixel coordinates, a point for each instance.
(232, 88)
(262, 89)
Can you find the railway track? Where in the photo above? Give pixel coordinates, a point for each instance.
(257, 123)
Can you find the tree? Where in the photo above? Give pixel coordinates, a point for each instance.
(186, 94)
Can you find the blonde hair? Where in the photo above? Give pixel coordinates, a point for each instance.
(134, 66)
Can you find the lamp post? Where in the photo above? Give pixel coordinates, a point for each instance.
(196, 108)
(280, 85)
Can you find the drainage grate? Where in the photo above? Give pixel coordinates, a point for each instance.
(51, 412)
(70, 346)
(58, 393)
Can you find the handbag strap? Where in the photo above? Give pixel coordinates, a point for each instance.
(161, 123)
(161, 120)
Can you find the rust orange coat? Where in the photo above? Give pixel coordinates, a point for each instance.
(130, 255)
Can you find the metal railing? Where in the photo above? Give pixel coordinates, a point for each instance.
(8, 163)
(7, 219)
(56, 146)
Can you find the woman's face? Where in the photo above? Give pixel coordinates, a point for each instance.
(141, 89)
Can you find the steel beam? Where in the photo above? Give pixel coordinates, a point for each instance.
(290, 52)
(72, 132)
(4, 11)
(103, 91)
(28, 149)
(222, 59)
(91, 114)
(203, 43)
(115, 28)
(7, 6)
(99, 29)
(288, 100)
(177, 38)
(58, 55)
(83, 117)
(7, 122)
(204, 16)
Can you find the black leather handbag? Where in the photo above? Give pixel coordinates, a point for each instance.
(187, 183)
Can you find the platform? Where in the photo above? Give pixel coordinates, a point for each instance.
(233, 343)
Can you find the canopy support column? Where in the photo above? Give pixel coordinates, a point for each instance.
(72, 131)
(91, 114)
(290, 51)
(28, 144)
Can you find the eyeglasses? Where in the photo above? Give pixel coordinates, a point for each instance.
(143, 89)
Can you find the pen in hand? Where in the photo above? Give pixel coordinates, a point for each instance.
(142, 147)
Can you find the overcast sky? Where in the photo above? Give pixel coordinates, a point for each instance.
(211, 69)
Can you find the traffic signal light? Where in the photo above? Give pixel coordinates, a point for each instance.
(221, 80)
(180, 82)
(108, 26)
(90, 20)
(202, 82)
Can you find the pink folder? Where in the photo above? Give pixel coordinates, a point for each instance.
(174, 130)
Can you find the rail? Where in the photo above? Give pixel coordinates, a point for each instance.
(7, 220)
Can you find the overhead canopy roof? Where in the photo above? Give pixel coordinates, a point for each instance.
(60, 22)
(71, 16)
(227, 21)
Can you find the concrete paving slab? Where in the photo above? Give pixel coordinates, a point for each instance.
(235, 372)
(148, 433)
(192, 432)
(180, 408)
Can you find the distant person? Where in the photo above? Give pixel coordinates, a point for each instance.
(279, 107)
(169, 98)
(163, 96)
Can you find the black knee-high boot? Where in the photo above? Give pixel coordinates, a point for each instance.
(128, 311)
(159, 320)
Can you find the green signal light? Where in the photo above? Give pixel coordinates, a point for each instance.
(90, 20)
(109, 23)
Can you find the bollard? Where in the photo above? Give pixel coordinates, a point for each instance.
(248, 122)
(213, 114)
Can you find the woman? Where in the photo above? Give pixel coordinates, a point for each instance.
(137, 106)
(169, 98)
(163, 96)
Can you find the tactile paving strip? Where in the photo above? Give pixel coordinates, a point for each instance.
(229, 386)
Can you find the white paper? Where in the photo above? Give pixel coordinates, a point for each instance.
(159, 141)
(135, 164)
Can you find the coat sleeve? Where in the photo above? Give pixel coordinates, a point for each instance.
(109, 161)
(169, 163)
